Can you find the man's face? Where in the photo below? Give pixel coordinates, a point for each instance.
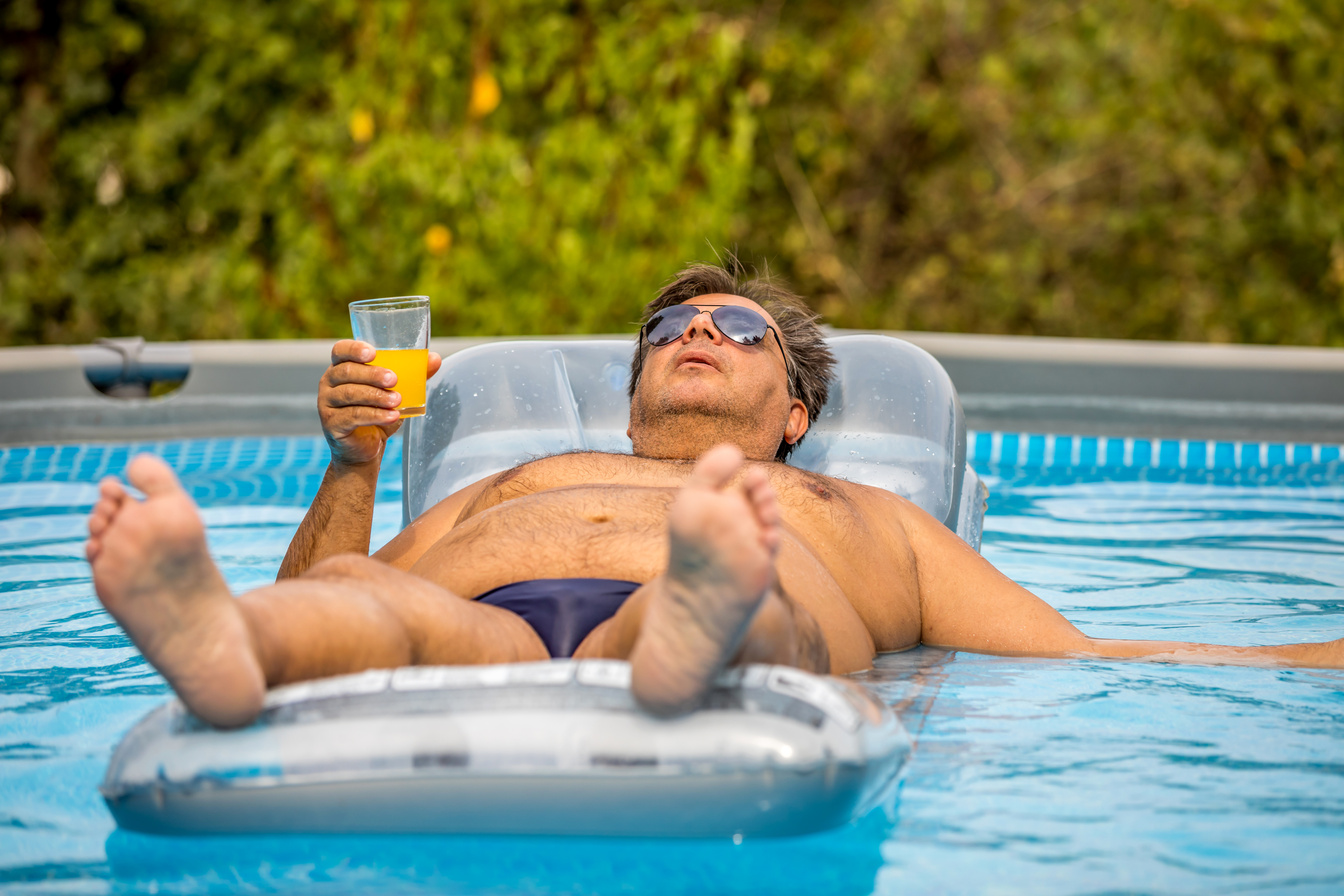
(705, 384)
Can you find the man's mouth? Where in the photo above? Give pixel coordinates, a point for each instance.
(701, 358)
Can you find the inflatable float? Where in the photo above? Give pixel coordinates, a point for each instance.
(539, 748)
(892, 420)
(561, 747)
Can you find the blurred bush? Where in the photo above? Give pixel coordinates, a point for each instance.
(1169, 170)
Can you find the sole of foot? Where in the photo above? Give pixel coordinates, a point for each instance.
(152, 571)
(724, 536)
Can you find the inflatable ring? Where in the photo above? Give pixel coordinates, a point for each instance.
(554, 747)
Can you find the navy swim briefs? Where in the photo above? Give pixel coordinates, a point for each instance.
(562, 611)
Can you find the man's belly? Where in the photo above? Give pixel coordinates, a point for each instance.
(609, 532)
(591, 531)
(617, 532)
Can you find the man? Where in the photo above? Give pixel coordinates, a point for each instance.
(698, 551)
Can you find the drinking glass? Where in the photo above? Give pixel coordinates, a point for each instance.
(398, 328)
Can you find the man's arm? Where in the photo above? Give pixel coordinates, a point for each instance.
(967, 604)
(356, 404)
(410, 544)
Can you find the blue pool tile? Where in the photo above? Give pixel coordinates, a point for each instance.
(1115, 452)
(1087, 451)
(1169, 453)
(307, 456)
(1196, 454)
(1063, 451)
(1035, 450)
(983, 447)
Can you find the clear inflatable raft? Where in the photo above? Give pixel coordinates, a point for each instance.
(561, 747)
(892, 420)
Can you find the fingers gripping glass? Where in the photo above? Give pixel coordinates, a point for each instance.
(742, 325)
(398, 329)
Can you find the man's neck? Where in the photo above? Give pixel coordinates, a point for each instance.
(688, 442)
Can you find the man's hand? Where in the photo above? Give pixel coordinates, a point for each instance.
(357, 403)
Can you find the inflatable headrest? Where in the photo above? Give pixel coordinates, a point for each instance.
(892, 420)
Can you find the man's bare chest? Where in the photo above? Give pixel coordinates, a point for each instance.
(605, 516)
(641, 488)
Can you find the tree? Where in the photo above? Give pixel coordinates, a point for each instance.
(1148, 169)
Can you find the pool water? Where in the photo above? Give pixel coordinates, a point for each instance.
(1028, 776)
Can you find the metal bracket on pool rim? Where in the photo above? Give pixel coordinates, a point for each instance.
(130, 367)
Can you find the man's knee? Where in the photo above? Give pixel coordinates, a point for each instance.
(814, 654)
(809, 640)
(347, 567)
(785, 632)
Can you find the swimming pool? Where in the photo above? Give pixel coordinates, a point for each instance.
(1039, 776)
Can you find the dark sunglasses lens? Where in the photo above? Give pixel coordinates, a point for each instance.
(668, 324)
(742, 325)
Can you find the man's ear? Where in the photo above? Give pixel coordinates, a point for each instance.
(796, 428)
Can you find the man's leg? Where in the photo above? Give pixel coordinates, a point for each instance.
(718, 602)
(153, 573)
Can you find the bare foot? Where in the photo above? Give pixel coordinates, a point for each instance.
(153, 573)
(721, 565)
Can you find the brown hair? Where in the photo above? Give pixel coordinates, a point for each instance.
(808, 359)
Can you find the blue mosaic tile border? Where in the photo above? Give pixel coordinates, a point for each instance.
(91, 462)
(1067, 451)
(297, 454)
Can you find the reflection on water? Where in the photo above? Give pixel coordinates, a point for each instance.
(1040, 776)
(1114, 777)
(1088, 776)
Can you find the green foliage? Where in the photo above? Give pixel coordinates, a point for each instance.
(1144, 169)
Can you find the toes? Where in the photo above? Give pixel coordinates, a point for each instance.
(99, 519)
(764, 505)
(152, 476)
(716, 467)
(111, 495)
(761, 495)
(110, 490)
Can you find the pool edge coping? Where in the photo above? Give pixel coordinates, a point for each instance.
(1006, 383)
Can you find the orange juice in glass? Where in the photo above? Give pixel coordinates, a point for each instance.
(398, 328)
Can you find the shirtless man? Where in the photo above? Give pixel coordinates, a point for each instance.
(730, 558)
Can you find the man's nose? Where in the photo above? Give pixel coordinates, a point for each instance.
(702, 323)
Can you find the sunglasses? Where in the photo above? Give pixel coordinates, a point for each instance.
(742, 325)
